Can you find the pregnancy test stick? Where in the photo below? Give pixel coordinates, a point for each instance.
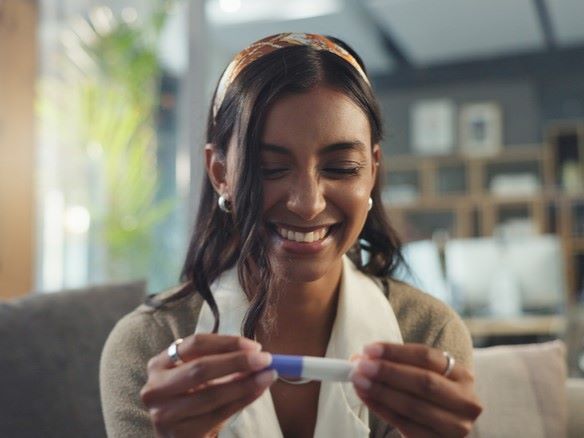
(309, 367)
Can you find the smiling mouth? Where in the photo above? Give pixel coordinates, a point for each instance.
(300, 237)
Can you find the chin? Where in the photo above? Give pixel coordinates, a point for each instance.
(296, 270)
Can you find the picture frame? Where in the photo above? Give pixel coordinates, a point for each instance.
(432, 126)
(481, 132)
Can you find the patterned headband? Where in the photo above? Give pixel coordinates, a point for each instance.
(272, 43)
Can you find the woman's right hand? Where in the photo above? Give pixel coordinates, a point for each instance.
(220, 376)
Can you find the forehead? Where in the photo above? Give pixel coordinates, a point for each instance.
(320, 116)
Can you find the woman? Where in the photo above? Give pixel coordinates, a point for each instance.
(291, 248)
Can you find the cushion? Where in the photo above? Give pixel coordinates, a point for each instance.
(575, 392)
(522, 389)
(50, 345)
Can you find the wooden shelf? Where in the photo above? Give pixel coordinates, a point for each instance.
(427, 203)
(511, 199)
(510, 153)
(569, 197)
(577, 244)
(551, 325)
(518, 154)
(477, 212)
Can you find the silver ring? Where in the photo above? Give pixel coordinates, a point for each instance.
(173, 352)
(449, 364)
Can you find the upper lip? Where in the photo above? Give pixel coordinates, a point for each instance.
(302, 229)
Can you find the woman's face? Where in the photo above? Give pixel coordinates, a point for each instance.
(318, 168)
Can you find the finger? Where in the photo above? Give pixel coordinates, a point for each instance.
(226, 411)
(212, 422)
(188, 376)
(210, 399)
(422, 384)
(418, 355)
(417, 410)
(407, 427)
(199, 344)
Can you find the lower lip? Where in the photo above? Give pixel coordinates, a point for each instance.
(305, 247)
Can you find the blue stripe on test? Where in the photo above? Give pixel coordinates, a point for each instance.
(287, 366)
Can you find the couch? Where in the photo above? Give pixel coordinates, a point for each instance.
(525, 392)
(50, 346)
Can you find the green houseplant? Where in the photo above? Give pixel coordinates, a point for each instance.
(102, 106)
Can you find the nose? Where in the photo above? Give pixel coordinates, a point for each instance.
(306, 198)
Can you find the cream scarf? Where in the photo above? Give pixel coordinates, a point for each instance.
(364, 315)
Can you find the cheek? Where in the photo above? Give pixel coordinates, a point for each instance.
(354, 194)
(361, 187)
(352, 200)
(272, 192)
(362, 191)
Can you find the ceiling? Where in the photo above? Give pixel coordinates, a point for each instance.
(420, 33)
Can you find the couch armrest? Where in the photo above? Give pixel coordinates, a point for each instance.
(575, 396)
(50, 345)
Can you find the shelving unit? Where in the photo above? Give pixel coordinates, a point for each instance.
(468, 197)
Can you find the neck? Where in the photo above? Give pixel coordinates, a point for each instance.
(304, 314)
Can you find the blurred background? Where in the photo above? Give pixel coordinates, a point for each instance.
(103, 105)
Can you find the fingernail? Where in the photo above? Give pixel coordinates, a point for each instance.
(368, 367)
(248, 344)
(266, 378)
(373, 350)
(259, 361)
(361, 381)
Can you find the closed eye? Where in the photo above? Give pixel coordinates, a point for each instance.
(273, 172)
(344, 169)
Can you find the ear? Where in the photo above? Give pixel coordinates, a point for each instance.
(376, 156)
(216, 168)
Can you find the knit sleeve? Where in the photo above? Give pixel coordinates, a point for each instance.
(424, 319)
(134, 340)
(454, 338)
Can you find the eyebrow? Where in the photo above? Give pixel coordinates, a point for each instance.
(344, 145)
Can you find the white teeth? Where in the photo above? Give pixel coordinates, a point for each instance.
(297, 236)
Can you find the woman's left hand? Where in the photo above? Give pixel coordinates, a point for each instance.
(405, 385)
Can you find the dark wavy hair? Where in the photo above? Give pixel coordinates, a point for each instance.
(221, 241)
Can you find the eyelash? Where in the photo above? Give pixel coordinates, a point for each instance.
(339, 171)
(272, 173)
(345, 170)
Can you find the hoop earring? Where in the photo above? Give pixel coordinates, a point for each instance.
(369, 204)
(224, 204)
